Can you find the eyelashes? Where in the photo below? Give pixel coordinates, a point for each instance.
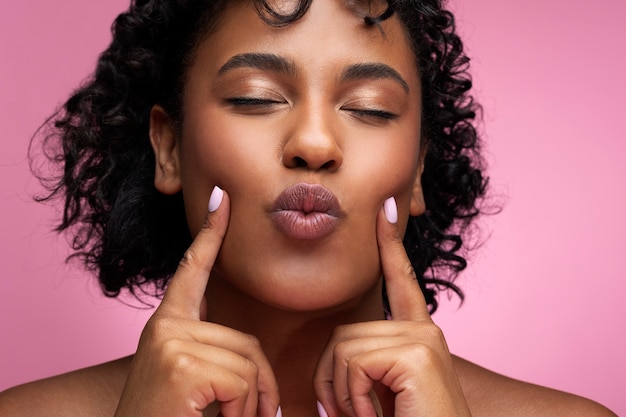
(373, 113)
(258, 105)
(252, 102)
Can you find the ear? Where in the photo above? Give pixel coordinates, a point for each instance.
(418, 205)
(163, 138)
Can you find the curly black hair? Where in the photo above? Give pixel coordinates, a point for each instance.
(133, 236)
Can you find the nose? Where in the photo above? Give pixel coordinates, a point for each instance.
(311, 144)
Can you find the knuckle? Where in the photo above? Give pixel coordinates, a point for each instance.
(394, 237)
(434, 335)
(180, 361)
(193, 260)
(157, 327)
(212, 226)
(342, 331)
(345, 404)
(433, 332)
(179, 365)
(189, 259)
(165, 325)
(407, 269)
(422, 356)
(250, 369)
(341, 352)
(242, 387)
(209, 223)
(354, 366)
(252, 343)
(171, 348)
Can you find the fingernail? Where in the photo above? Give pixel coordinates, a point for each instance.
(279, 413)
(216, 199)
(321, 410)
(391, 210)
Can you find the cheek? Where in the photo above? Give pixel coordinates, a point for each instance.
(388, 168)
(221, 153)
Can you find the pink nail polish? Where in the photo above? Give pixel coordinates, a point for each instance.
(391, 210)
(216, 199)
(321, 410)
(279, 412)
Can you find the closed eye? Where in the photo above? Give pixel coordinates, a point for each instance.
(255, 106)
(252, 101)
(373, 113)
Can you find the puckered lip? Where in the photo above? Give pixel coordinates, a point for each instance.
(308, 198)
(306, 211)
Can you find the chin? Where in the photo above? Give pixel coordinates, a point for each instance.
(318, 295)
(302, 276)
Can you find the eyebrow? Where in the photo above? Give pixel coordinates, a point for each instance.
(268, 62)
(276, 63)
(375, 71)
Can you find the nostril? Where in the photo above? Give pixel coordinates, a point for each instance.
(328, 165)
(299, 162)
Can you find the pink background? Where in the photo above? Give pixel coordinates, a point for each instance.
(545, 294)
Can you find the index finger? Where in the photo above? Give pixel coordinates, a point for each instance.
(405, 296)
(186, 289)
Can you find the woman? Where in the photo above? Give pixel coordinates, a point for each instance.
(300, 150)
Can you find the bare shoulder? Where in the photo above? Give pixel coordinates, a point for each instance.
(92, 392)
(491, 394)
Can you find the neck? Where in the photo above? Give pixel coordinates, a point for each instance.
(291, 340)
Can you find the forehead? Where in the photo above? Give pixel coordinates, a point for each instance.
(332, 33)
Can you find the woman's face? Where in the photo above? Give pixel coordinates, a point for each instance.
(309, 128)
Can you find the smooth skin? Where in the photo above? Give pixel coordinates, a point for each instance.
(253, 321)
(407, 354)
(192, 364)
(184, 364)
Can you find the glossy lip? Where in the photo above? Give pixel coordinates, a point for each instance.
(306, 211)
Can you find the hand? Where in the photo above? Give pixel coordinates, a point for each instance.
(183, 364)
(404, 360)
